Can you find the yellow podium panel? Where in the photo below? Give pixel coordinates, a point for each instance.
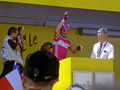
(68, 65)
(1, 65)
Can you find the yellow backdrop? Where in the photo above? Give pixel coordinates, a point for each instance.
(38, 35)
(107, 5)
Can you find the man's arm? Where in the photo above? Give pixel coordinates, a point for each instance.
(75, 50)
(111, 53)
(18, 48)
(13, 45)
(57, 31)
(93, 53)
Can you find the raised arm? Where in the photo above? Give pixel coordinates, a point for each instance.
(57, 31)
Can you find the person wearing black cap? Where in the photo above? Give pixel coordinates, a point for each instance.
(41, 71)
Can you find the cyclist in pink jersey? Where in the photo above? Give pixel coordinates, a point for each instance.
(60, 44)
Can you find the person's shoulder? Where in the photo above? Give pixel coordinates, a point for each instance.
(10, 40)
(97, 43)
(56, 37)
(6, 38)
(110, 44)
(67, 41)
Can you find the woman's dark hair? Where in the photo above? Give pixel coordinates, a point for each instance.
(11, 29)
(42, 66)
(46, 46)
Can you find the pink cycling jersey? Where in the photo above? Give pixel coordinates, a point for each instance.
(60, 47)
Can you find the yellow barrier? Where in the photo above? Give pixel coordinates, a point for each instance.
(108, 5)
(68, 65)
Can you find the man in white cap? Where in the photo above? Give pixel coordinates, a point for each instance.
(103, 49)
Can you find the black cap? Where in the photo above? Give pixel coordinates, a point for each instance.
(42, 66)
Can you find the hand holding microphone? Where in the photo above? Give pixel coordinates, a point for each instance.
(79, 47)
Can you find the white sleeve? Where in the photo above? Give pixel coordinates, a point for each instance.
(111, 53)
(93, 53)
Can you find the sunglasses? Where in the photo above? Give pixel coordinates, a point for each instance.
(65, 31)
